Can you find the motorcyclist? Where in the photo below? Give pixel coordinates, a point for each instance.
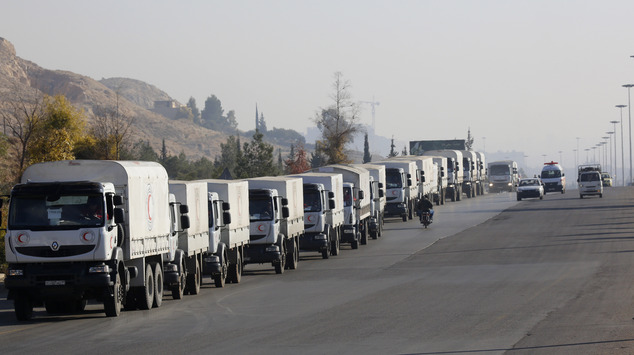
(424, 205)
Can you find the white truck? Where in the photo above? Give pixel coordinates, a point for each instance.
(442, 180)
(470, 175)
(84, 229)
(503, 176)
(192, 242)
(481, 170)
(428, 172)
(377, 197)
(454, 175)
(230, 235)
(323, 213)
(356, 205)
(402, 187)
(276, 209)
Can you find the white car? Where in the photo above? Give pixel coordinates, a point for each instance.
(530, 187)
(590, 184)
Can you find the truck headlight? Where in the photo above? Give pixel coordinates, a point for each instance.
(16, 272)
(320, 237)
(272, 249)
(99, 269)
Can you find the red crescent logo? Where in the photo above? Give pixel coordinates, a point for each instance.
(149, 196)
(394, 192)
(260, 227)
(309, 218)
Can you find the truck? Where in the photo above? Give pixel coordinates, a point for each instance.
(470, 175)
(377, 197)
(192, 242)
(356, 205)
(276, 211)
(454, 175)
(428, 175)
(88, 229)
(503, 176)
(230, 231)
(402, 188)
(553, 177)
(323, 213)
(442, 180)
(481, 170)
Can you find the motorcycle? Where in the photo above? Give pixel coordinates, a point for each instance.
(425, 218)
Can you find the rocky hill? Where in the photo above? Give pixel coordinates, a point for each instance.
(22, 77)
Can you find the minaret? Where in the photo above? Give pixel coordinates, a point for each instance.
(257, 117)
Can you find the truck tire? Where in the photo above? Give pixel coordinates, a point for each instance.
(112, 304)
(280, 266)
(158, 285)
(219, 280)
(325, 254)
(145, 294)
(355, 243)
(179, 290)
(405, 217)
(335, 244)
(23, 306)
(364, 232)
(193, 280)
(235, 270)
(293, 256)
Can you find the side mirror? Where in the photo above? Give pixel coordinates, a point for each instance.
(184, 222)
(226, 206)
(119, 215)
(284, 202)
(226, 217)
(117, 200)
(331, 204)
(331, 194)
(285, 212)
(409, 182)
(184, 209)
(380, 185)
(381, 193)
(361, 195)
(422, 179)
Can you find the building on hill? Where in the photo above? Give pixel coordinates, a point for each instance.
(167, 108)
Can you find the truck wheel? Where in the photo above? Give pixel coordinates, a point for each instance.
(281, 265)
(23, 307)
(145, 295)
(355, 243)
(325, 254)
(179, 290)
(334, 248)
(112, 304)
(235, 270)
(158, 286)
(405, 217)
(293, 256)
(219, 280)
(193, 280)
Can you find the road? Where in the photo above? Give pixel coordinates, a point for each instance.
(490, 276)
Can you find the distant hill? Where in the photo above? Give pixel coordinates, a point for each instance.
(135, 98)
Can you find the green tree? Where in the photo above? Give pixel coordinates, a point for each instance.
(191, 104)
(367, 157)
(58, 132)
(230, 155)
(257, 159)
(212, 116)
(338, 122)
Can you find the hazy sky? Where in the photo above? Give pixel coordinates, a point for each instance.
(528, 75)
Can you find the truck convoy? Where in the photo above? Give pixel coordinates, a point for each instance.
(503, 176)
(356, 206)
(553, 178)
(80, 230)
(323, 213)
(442, 180)
(276, 209)
(228, 229)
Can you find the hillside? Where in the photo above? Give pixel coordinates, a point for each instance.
(134, 97)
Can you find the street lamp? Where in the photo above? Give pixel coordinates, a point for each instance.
(612, 167)
(622, 151)
(629, 115)
(587, 154)
(615, 154)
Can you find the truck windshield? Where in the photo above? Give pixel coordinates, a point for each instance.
(312, 201)
(499, 170)
(347, 197)
(40, 212)
(549, 174)
(393, 180)
(260, 209)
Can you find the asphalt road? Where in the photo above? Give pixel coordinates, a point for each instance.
(490, 276)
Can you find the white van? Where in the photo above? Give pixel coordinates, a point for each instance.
(590, 184)
(553, 177)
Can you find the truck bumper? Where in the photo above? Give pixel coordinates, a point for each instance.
(262, 253)
(211, 264)
(500, 186)
(313, 242)
(396, 209)
(42, 281)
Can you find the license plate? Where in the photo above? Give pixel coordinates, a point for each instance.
(348, 230)
(55, 283)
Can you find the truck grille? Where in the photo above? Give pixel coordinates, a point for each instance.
(47, 252)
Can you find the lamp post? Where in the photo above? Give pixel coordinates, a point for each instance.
(612, 167)
(587, 154)
(605, 152)
(615, 153)
(622, 151)
(629, 116)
